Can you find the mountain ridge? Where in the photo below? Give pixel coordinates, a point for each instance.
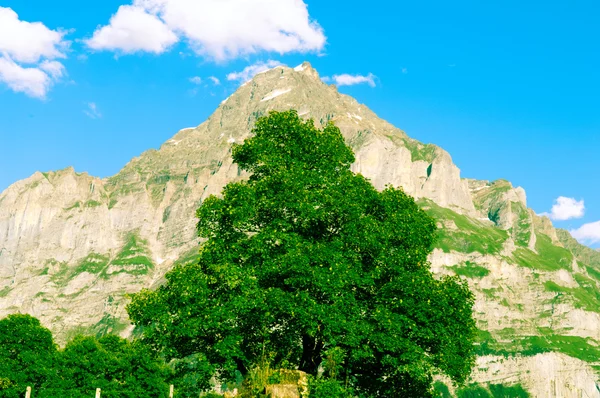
(73, 245)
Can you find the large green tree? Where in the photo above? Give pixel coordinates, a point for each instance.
(305, 259)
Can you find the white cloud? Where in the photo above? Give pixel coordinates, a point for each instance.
(252, 70)
(92, 110)
(587, 233)
(350, 80)
(132, 29)
(27, 42)
(215, 80)
(31, 81)
(27, 54)
(196, 79)
(54, 68)
(216, 29)
(566, 209)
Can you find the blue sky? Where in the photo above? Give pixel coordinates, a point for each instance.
(509, 88)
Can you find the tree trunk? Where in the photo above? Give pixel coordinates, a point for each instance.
(241, 367)
(311, 354)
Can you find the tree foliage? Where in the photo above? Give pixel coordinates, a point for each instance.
(122, 369)
(305, 257)
(29, 357)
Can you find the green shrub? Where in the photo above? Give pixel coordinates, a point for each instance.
(327, 388)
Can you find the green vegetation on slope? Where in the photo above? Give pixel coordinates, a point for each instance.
(574, 346)
(109, 324)
(440, 390)
(512, 391)
(577, 347)
(93, 263)
(473, 391)
(419, 151)
(470, 236)
(133, 258)
(593, 272)
(548, 257)
(583, 253)
(491, 194)
(359, 139)
(491, 199)
(75, 205)
(492, 391)
(521, 230)
(470, 270)
(92, 203)
(586, 296)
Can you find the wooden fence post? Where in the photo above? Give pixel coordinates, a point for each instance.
(171, 390)
(28, 392)
(98, 392)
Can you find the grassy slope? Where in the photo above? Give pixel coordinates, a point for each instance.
(583, 253)
(471, 235)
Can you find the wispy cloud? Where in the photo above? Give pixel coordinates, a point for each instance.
(350, 80)
(566, 209)
(587, 233)
(196, 79)
(252, 70)
(92, 111)
(404, 71)
(215, 80)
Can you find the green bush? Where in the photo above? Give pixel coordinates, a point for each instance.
(327, 388)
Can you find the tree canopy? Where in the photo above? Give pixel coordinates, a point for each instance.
(27, 354)
(29, 357)
(306, 261)
(121, 368)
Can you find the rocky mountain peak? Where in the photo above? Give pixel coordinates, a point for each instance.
(64, 236)
(72, 246)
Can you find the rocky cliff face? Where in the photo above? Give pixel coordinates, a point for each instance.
(72, 246)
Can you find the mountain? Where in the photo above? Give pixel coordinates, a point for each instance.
(72, 246)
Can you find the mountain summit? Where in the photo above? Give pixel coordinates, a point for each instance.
(72, 245)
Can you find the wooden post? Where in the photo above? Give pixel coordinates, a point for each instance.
(28, 392)
(98, 393)
(171, 390)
